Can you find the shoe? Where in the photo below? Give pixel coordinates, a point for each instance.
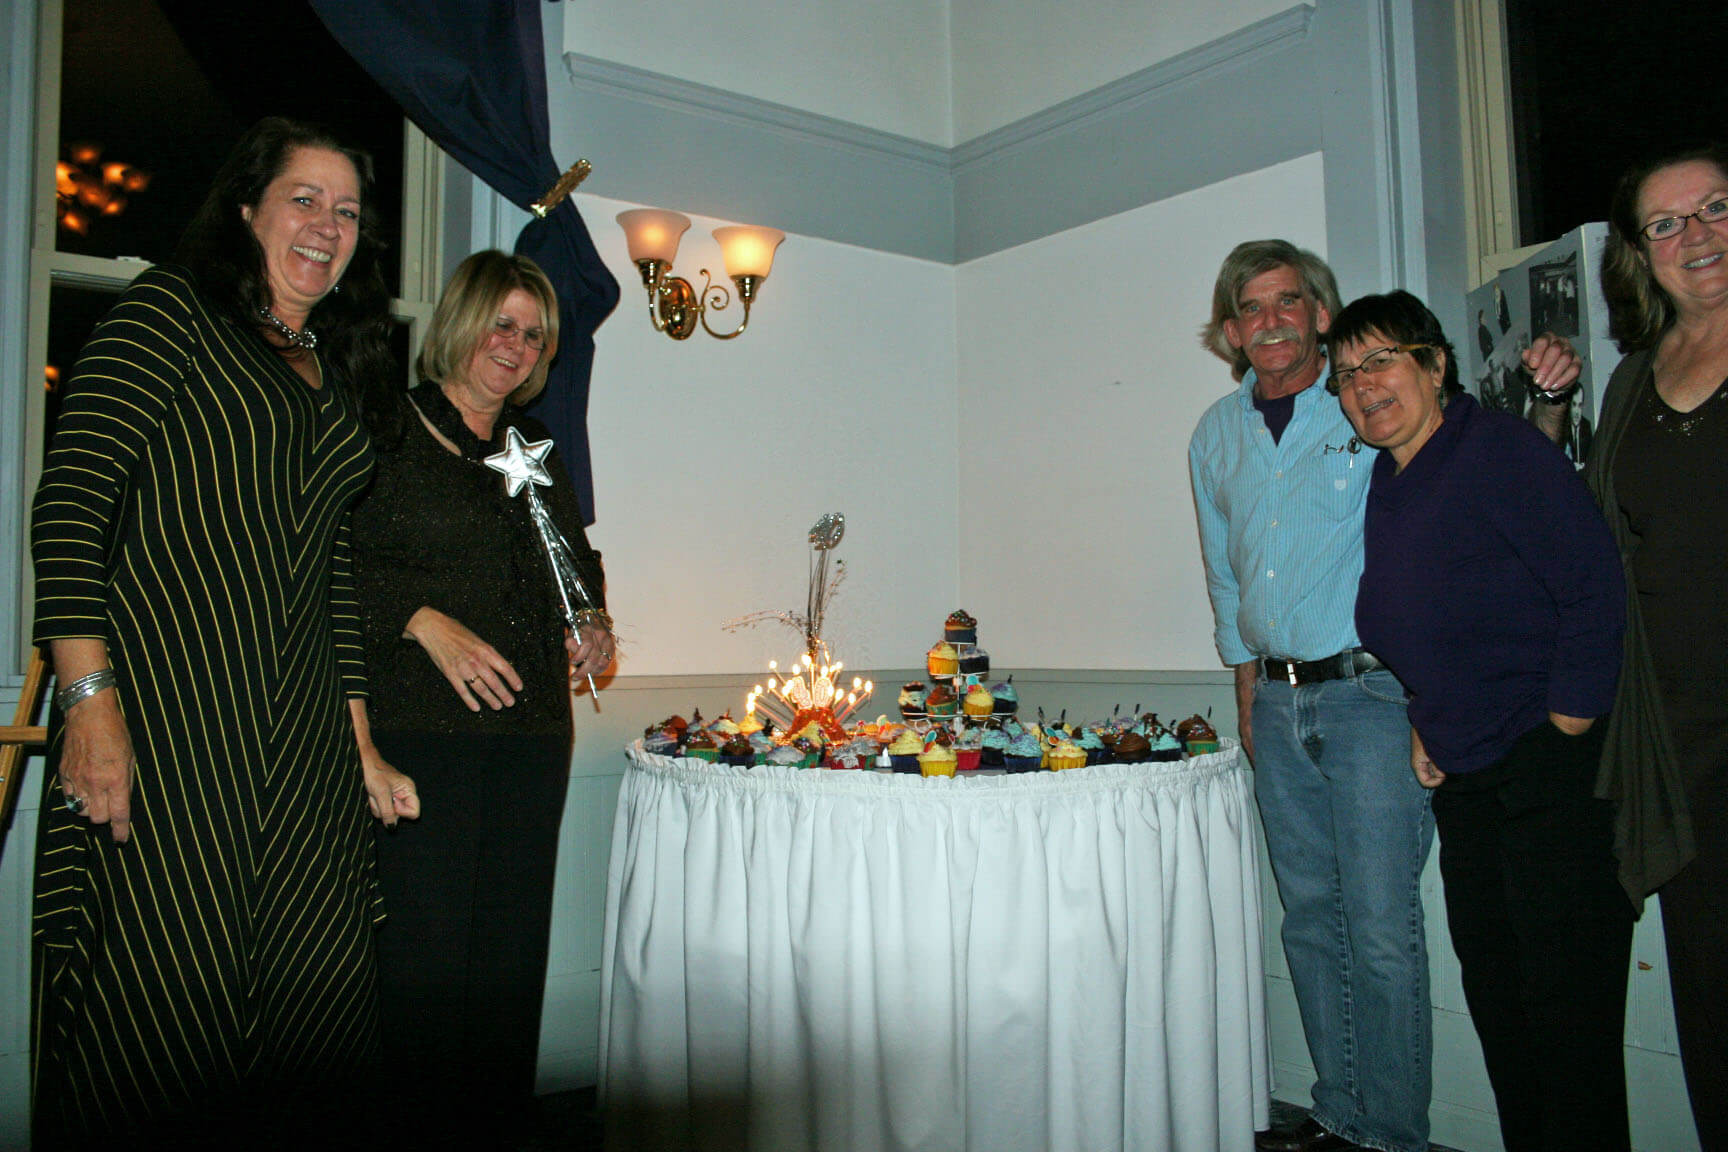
(1306, 1135)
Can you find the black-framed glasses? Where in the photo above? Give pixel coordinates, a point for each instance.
(507, 330)
(1671, 226)
(1372, 364)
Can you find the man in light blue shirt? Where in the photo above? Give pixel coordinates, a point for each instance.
(1280, 486)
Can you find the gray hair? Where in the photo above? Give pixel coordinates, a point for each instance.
(1256, 258)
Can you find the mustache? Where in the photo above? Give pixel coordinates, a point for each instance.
(1271, 334)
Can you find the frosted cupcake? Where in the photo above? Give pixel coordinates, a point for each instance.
(904, 750)
(940, 702)
(1007, 699)
(943, 661)
(973, 660)
(936, 761)
(1197, 736)
(1025, 753)
(1066, 755)
(960, 628)
(978, 701)
(995, 749)
(912, 700)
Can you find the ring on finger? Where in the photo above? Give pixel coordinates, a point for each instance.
(75, 804)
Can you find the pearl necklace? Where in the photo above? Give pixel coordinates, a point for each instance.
(307, 340)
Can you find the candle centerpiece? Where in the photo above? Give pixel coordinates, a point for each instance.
(809, 694)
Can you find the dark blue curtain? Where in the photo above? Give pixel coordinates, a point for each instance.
(472, 75)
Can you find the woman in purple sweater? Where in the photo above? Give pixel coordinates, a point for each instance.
(1492, 588)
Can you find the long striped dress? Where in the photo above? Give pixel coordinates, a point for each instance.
(193, 514)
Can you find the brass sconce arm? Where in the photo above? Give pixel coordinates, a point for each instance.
(675, 307)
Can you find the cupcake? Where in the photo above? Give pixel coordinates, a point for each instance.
(904, 750)
(1007, 700)
(737, 750)
(786, 756)
(702, 747)
(1197, 736)
(853, 754)
(943, 660)
(973, 660)
(660, 741)
(912, 700)
(1165, 747)
(994, 748)
(1093, 745)
(1065, 755)
(960, 628)
(969, 751)
(936, 761)
(1132, 748)
(940, 701)
(1025, 753)
(978, 701)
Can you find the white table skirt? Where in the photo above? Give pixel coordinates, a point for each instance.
(858, 961)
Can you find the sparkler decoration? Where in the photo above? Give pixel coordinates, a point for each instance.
(524, 470)
(809, 692)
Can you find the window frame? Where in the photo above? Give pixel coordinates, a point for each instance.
(1490, 161)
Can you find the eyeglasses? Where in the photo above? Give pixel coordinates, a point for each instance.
(507, 330)
(1671, 226)
(1372, 364)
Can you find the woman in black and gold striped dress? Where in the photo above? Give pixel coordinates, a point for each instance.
(205, 894)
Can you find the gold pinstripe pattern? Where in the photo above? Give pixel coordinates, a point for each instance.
(193, 514)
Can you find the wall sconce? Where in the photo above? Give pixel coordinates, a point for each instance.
(674, 307)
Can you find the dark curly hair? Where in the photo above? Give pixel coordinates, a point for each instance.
(1402, 319)
(1639, 311)
(224, 257)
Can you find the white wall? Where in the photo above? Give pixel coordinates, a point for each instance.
(1080, 379)
(712, 459)
(1013, 58)
(883, 64)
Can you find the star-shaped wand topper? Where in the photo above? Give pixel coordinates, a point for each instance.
(521, 462)
(523, 467)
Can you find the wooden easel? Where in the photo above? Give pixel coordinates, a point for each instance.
(19, 735)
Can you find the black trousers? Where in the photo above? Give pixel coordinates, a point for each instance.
(1695, 926)
(462, 953)
(1543, 934)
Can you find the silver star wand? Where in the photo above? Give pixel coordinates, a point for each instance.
(524, 469)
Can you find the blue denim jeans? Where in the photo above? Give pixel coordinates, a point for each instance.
(1348, 829)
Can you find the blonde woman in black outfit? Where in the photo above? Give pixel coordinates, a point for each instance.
(471, 665)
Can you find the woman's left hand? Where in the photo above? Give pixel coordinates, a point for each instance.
(591, 650)
(1553, 364)
(1571, 725)
(390, 794)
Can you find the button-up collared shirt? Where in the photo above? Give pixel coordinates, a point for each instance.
(1280, 525)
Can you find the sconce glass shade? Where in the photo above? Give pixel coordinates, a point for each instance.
(748, 251)
(653, 234)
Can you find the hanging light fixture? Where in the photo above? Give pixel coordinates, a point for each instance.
(674, 306)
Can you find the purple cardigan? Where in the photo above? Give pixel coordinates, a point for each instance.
(1491, 586)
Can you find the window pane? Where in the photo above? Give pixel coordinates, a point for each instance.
(73, 312)
(167, 86)
(1597, 85)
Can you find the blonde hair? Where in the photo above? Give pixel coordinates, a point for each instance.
(468, 310)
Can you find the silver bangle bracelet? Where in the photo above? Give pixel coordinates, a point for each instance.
(84, 687)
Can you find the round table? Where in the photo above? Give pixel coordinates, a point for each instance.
(811, 959)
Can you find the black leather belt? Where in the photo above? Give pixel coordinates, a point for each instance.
(1350, 662)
